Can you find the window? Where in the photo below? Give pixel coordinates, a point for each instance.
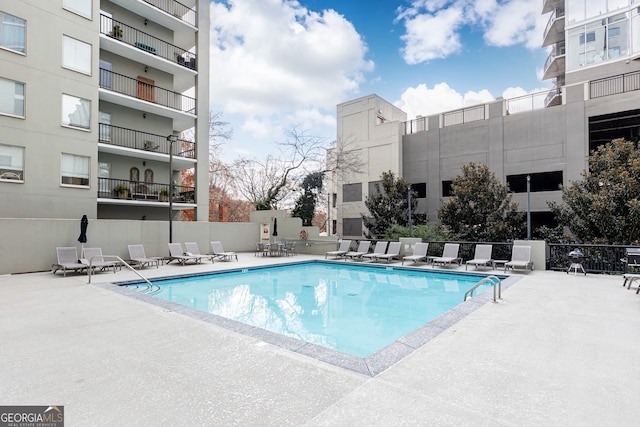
(372, 187)
(76, 112)
(421, 189)
(76, 55)
(104, 173)
(543, 181)
(446, 188)
(104, 128)
(352, 226)
(81, 7)
(13, 32)
(614, 32)
(11, 97)
(74, 170)
(591, 37)
(352, 192)
(134, 174)
(334, 199)
(148, 175)
(11, 163)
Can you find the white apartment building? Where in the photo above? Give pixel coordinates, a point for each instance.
(594, 52)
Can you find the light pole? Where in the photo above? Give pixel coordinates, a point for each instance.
(171, 139)
(528, 207)
(409, 203)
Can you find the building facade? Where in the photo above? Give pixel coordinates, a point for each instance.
(533, 143)
(103, 105)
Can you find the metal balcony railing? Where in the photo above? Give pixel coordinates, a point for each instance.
(558, 12)
(177, 9)
(557, 50)
(146, 42)
(416, 125)
(464, 115)
(110, 188)
(145, 91)
(123, 137)
(530, 102)
(613, 85)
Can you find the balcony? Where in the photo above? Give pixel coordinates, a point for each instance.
(549, 5)
(123, 191)
(554, 31)
(168, 13)
(553, 98)
(555, 64)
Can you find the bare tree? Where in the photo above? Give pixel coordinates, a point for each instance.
(344, 159)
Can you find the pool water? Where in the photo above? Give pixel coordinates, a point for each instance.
(354, 309)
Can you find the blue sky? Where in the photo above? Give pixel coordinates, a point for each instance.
(279, 64)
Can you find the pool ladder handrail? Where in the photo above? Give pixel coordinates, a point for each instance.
(495, 280)
(119, 259)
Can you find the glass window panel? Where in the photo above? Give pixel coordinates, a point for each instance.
(76, 112)
(76, 55)
(11, 97)
(105, 126)
(81, 7)
(74, 170)
(352, 192)
(13, 32)
(575, 49)
(11, 163)
(595, 7)
(635, 28)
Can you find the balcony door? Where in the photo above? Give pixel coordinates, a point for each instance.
(145, 89)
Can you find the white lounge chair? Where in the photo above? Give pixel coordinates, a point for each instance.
(289, 248)
(363, 248)
(138, 258)
(176, 253)
(67, 260)
(449, 255)
(393, 251)
(520, 258)
(342, 249)
(630, 278)
(379, 249)
(419, 253)
(482, 257)
(219, 252)
(192, 249)
(93, 258)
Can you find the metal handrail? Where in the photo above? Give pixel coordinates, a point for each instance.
(495, 280)
(119, 259)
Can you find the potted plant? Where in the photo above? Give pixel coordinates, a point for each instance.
(117, 32)
(122, 191)
(164, 194)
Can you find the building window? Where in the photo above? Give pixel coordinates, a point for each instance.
(352, 192)
(421, 189)
(148, 175)
(76, 112)
(76, 55)
(446, 189)
(372, 188)
(352, 226)
(11, 163)
(334, 199)
(81, 7)
(11, 97)
(13, 32)
(134, 174)
(544, 181)
(74, 170)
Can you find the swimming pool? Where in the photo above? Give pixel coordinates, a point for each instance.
(348, 310)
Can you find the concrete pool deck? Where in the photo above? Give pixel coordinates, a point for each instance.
(560, 350)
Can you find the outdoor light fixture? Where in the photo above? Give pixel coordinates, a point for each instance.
(171, 139)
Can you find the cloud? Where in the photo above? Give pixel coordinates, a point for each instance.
(433, 27)
(275, 56)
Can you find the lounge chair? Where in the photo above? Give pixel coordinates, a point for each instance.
(363, 248)
(630, 278)
(379, 249)
(176, 253)
(342, 249)
(192, 249)
(68, 260)
(482, 257)
(520, 258)
(219, 252)
(138, 258)
(92, 257)
(449, 255)
(393, 251)
(419, 253)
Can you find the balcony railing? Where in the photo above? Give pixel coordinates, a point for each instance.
(145, 91)
(146, 42)
(177, 9)
(123, 137)
(613, 85)
(465, 115)
(109, 188)
(530, 102)
(417, 125)
(558, 49)
(558, 12)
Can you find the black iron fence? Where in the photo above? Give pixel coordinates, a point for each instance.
(608, 259)
(123, 137)
(177, 9)
(111, 188)
(612, 85)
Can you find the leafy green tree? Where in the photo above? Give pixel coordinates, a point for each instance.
(389, 205)
(604, 206)
(305, 206)
(429, 232)
(480, 208)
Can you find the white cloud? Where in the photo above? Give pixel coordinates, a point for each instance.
(275, 56)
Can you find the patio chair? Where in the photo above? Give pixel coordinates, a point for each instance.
(449, 255)
(379, 249)
(520, 258)
(630, 278)
(419, 253)
(342, 249)
(193, 250)
(363, 248)
(176, 253)
(138, 258)
(262, 249)
(482, 257)
(92, 257)
(289, 248)
(393, 251)
(219, 252)
(67, 260)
